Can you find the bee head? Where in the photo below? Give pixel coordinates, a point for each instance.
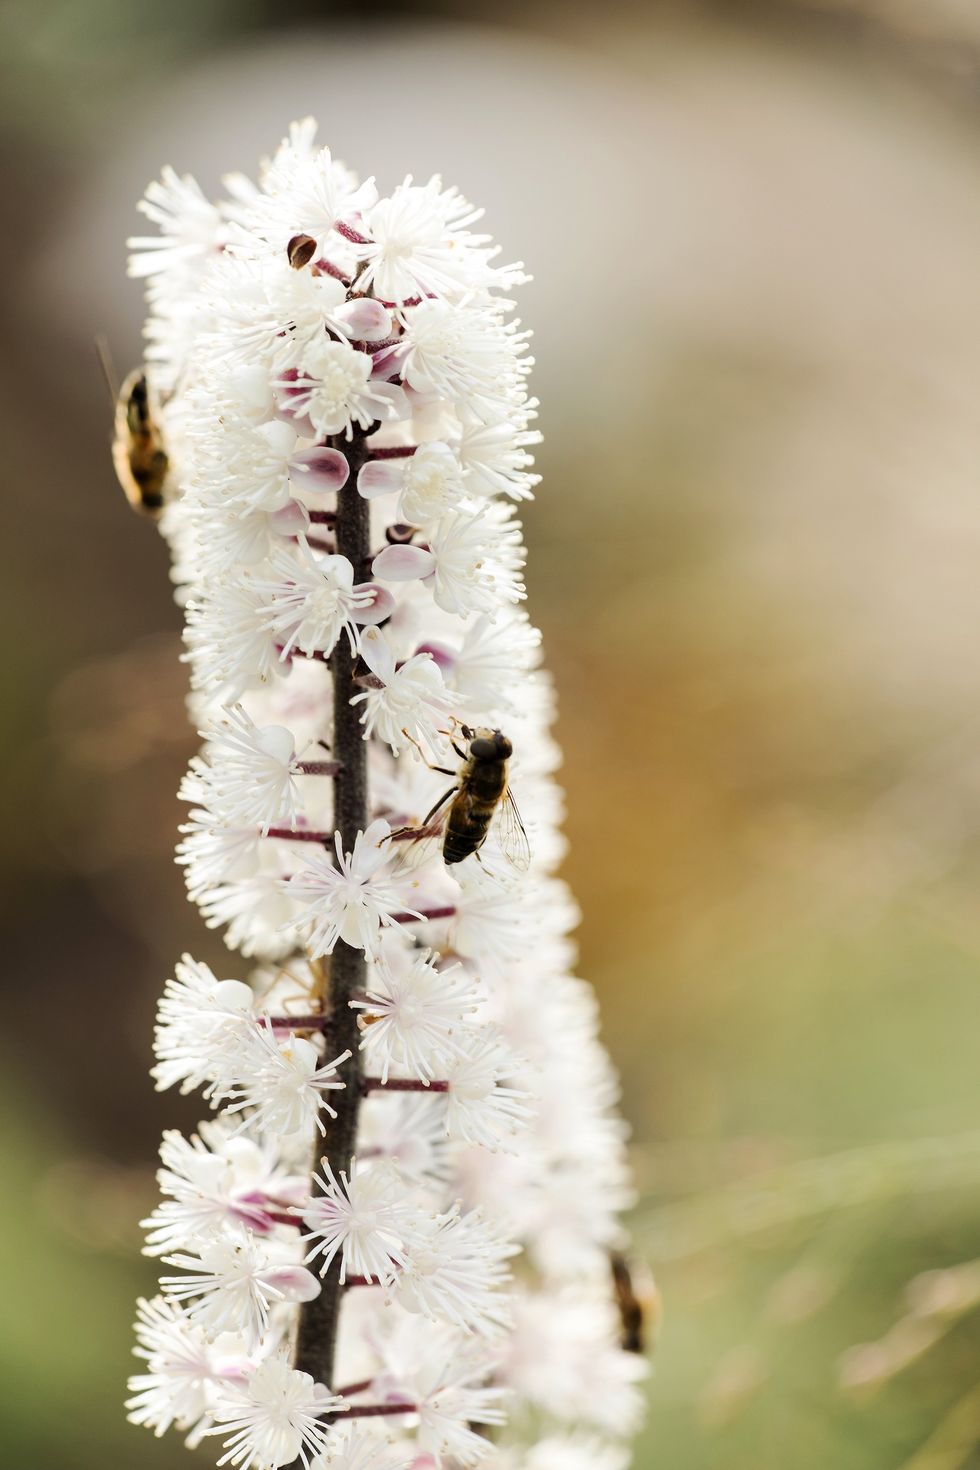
(490, 745)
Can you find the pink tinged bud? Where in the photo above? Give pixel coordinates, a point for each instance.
(292, 520)
(381, 606)
(403, 564)
(319, 468)
(366, 319)
(379, 477)
(387, 363)
(295, 1282)
(444, 657)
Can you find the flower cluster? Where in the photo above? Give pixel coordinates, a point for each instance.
(342, 390)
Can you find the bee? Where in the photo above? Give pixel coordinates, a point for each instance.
(638, 1301)
(138, 455)
(481, 799)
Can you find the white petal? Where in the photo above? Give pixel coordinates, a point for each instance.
(403, 563)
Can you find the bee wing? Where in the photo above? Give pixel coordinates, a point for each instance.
(415, 845)
(508, 830)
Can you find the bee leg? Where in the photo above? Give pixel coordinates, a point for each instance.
(443, 798)
(441, 769)
(420, 829)
(452, 740)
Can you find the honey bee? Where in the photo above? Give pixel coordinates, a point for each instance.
(138, 455)
(480, 800)
(638, 1301)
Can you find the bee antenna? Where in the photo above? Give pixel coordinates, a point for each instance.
(104, 355)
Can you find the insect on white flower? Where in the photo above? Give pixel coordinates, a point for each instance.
(410, 1103)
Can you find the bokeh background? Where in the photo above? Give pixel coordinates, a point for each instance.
(755, 231)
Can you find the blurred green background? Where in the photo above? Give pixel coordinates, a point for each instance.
(755, 231)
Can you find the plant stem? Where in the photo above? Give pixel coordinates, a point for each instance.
(316, 1337)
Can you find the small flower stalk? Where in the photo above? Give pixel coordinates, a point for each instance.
(387, 1244)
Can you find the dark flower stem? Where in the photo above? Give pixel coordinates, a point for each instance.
(316, 1337)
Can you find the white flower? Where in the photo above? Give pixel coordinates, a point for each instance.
(419, 244)
(473, 559)
(411, 701)
(190, 226)
(337, 392)
(476, 559)
(564, 1358)
(496, 457)
(466, 354)
(283, 1084)
(575, 1452)
(229, 641)
(214, 1181)
(253, 909)
(232, 1285)
(273, 317)
(243, 466)
(411, 1131)
(184, 1371)
(208, 851)
(416, 1014)
(249, 771)
(486, 671)
(429, 482)
(306, 193)
(454, 1271)
(351, 899)
(361, 1217)
(493, 920)
(273, 1417)
(351, 1447)
(312, 599)
(482, 1110)
(449, 1399)
(202, 1025)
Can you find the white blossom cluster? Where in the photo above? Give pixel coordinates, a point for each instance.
(300, 319)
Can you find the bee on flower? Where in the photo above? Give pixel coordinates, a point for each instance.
(388, 1245)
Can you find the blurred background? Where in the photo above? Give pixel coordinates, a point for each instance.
(755, 230)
